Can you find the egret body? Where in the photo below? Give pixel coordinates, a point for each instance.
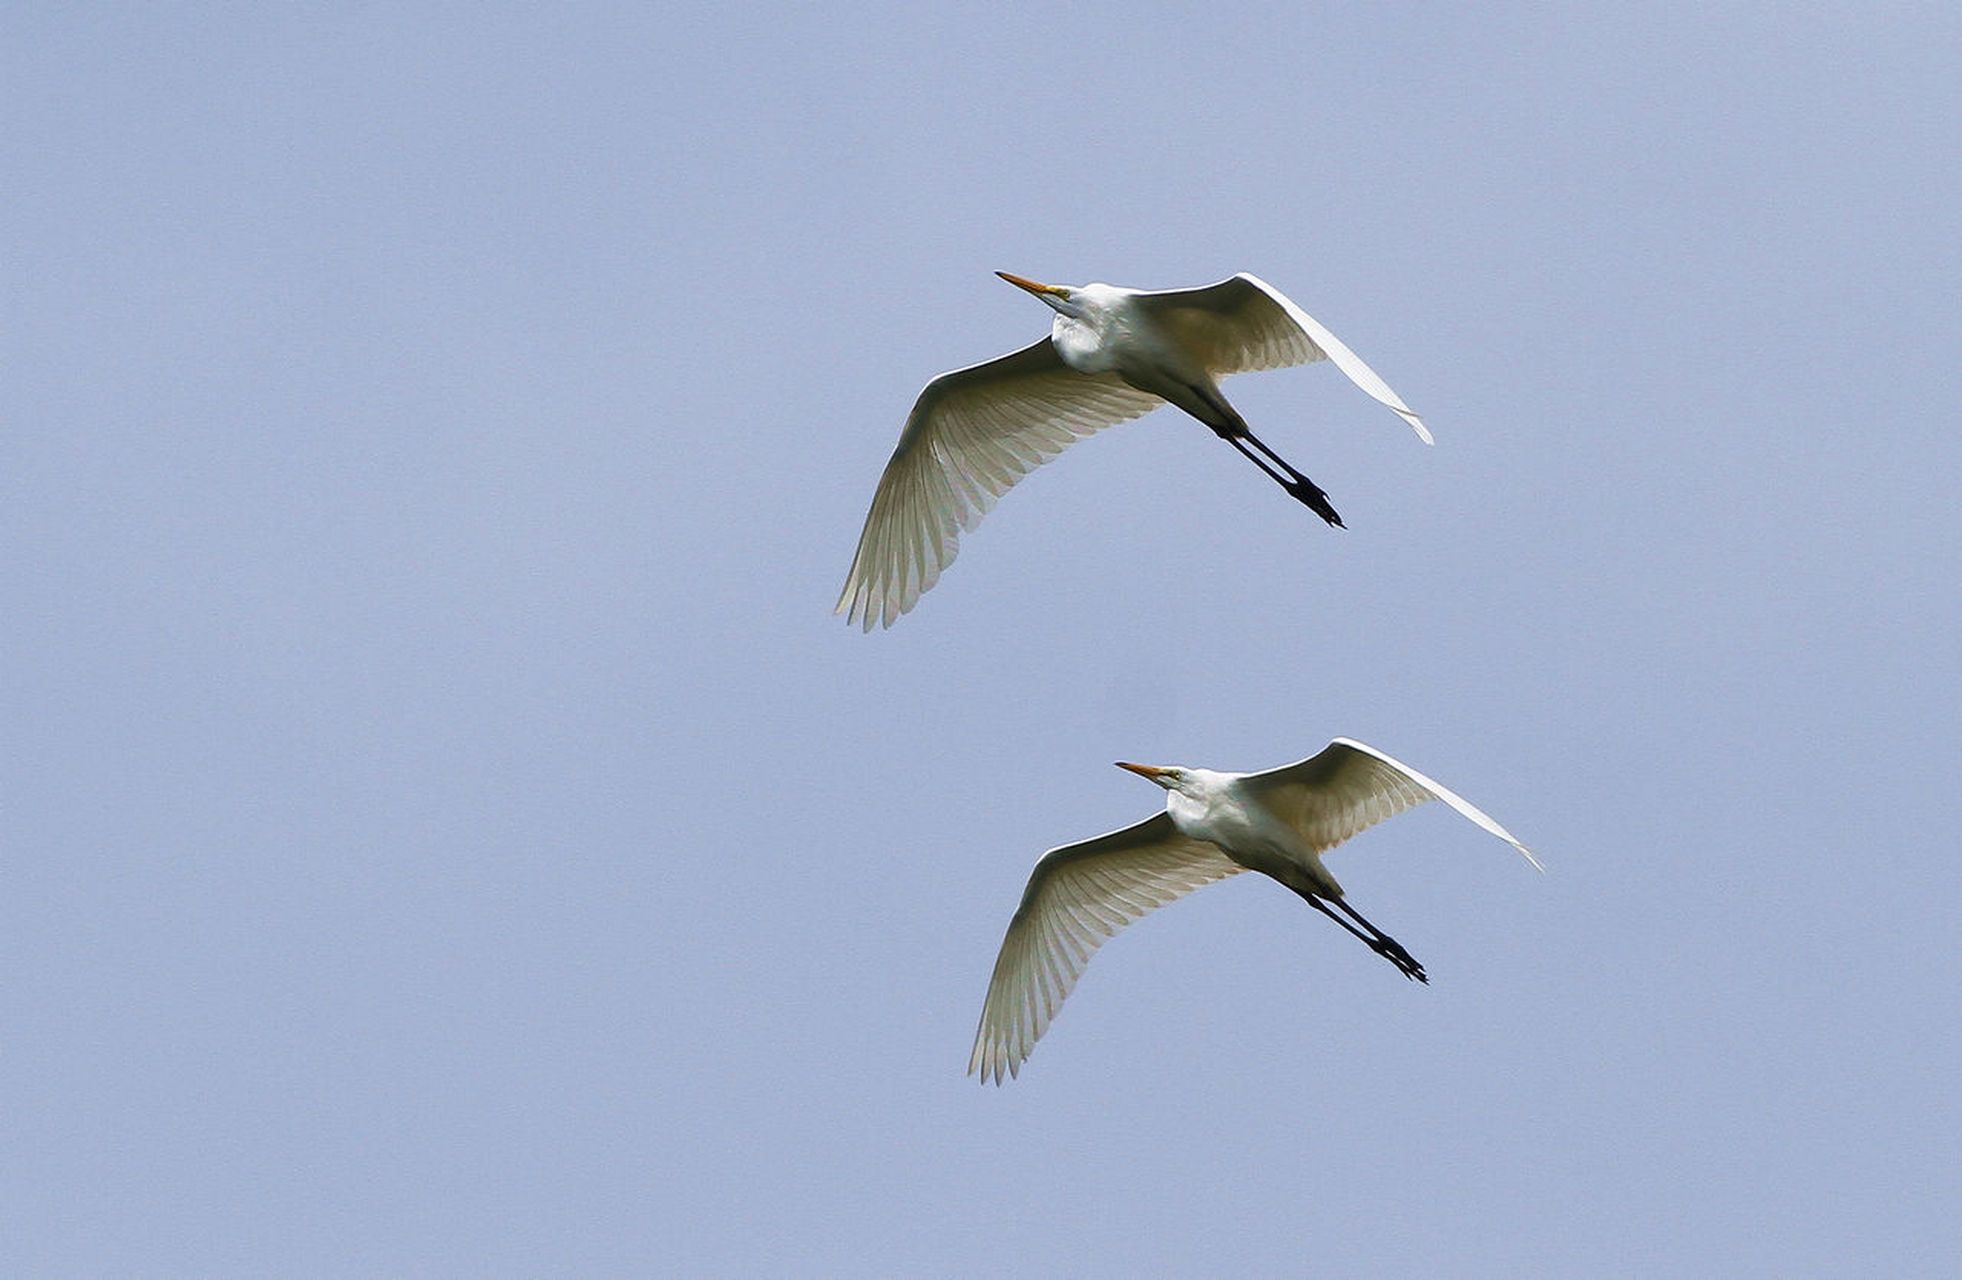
(1215, 825)
(1112, 354)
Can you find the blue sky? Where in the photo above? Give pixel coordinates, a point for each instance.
(447, 833)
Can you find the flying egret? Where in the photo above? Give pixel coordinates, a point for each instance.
(1279, 823)
(1111, 355)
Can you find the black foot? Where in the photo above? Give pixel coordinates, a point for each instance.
(1406, 964)
(1315, 499)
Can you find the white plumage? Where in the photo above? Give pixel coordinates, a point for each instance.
(1112, 355)
(1278, 822)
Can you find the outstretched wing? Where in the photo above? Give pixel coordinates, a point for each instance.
(1348, 787)
(1245, 324)
(972, 434)
(1079, 896)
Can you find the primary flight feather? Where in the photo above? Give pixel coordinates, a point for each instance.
(1112, 355)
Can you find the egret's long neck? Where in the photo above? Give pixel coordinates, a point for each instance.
(1081, 344)
(1188, 813)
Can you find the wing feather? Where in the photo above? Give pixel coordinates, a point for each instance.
(1349, 787)
(972, 434)
(1078, 897)
(1244, 324)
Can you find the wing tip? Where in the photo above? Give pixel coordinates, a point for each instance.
(1450, 797)
(988, 1066)
(1345, 359)
(864, 608)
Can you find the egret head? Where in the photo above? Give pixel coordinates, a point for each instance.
(1056, 295)
(1170, 777)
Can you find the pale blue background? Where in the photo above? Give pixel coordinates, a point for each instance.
(446, 833)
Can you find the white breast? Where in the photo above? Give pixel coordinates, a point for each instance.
(1241, 829)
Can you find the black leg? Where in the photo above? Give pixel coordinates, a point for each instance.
(1385, 945)
(1376, 940)
(1300, 487)
(1304, 489)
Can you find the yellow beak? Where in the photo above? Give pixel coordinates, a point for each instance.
(1144, 770)
(1034, 286)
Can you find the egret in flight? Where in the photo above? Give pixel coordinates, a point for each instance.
(1111, 355)
(1279, 823)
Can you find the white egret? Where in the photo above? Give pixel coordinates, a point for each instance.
(1279, 822)
(1111, 355)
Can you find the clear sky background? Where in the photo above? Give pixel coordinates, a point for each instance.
(446, 832)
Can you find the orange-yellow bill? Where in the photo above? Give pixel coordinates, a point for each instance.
(1034, 286)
